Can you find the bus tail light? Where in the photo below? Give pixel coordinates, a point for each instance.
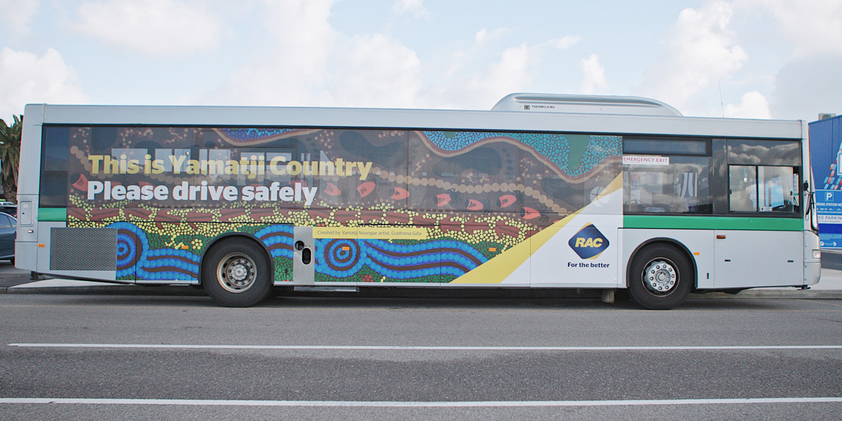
(817, 254)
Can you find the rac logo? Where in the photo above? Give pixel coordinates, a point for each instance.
(588, 243)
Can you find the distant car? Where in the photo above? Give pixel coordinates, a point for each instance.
(9, 208)
(8, 228)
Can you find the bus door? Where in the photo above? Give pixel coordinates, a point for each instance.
(767, 247)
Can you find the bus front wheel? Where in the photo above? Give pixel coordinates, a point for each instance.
(237, 273)
(660, 277)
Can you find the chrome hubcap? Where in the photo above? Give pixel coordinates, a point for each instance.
(660, 276)
(236, 272)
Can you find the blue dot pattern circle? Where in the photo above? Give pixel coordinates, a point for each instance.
(345, 258)
(135, 259)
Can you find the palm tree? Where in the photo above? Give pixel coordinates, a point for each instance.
(10, 156)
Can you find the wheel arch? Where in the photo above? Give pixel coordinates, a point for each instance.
(666, 241)
(228, 236)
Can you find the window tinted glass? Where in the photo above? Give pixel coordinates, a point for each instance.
(681, 186)
(743, 188)
(764, 152)
(678, 147)
(777, 189)
(763, 189)
(54, 167)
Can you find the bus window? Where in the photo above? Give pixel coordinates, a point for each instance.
(743, 188)
(54, 158)
(671, 146)
(777, 189)
(677, 185)
(763, 189)
(764, 152)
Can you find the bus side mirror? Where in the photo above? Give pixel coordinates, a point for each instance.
(806, 186)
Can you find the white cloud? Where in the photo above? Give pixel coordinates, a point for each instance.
(153, 27)
(806, 87)
(805, 34)
(293, 69)
(376, 71)
(509, 74)
(557, 43)
(513, 72)
(416, 7)
(300, 27)
(699, 52)
(815, 26)
(321, 67)
(310, 63)
(26, 78)
(566, 42)
(752, 105)
(594, 75)
(18, 14)
(484, 35)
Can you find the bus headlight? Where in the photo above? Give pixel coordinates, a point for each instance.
(817, 254)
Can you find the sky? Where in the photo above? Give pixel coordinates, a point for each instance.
(778, 59)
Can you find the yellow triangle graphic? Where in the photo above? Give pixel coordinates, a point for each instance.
(500, 267)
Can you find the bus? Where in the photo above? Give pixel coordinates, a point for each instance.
(601, 193)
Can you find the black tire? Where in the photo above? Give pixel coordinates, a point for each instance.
(237, 273)
(660, 277)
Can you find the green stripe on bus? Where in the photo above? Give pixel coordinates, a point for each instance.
(712, 223)
(52, 214)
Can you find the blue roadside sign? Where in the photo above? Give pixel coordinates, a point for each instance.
(826, 156)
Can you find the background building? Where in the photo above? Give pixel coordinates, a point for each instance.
(826, 155)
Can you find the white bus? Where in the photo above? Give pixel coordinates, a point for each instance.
(543, 191)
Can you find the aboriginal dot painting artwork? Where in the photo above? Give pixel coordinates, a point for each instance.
(385, 205)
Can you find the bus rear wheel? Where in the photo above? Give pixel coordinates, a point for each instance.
(660, 277)
(237, 273)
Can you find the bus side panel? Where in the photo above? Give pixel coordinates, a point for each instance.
(507, 268)
(26, 253)
(737, 254)
(76, 255)
(699, 244)
(582, 254)
(579, 250)
(352, 259)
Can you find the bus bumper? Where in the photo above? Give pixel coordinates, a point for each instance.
(812, 273)
(812, 258)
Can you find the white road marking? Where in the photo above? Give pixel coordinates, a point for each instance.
(429, 348)
(412, 404)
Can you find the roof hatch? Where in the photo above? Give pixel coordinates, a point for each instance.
(584, 104)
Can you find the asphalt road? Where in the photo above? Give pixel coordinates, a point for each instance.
(154, 357)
